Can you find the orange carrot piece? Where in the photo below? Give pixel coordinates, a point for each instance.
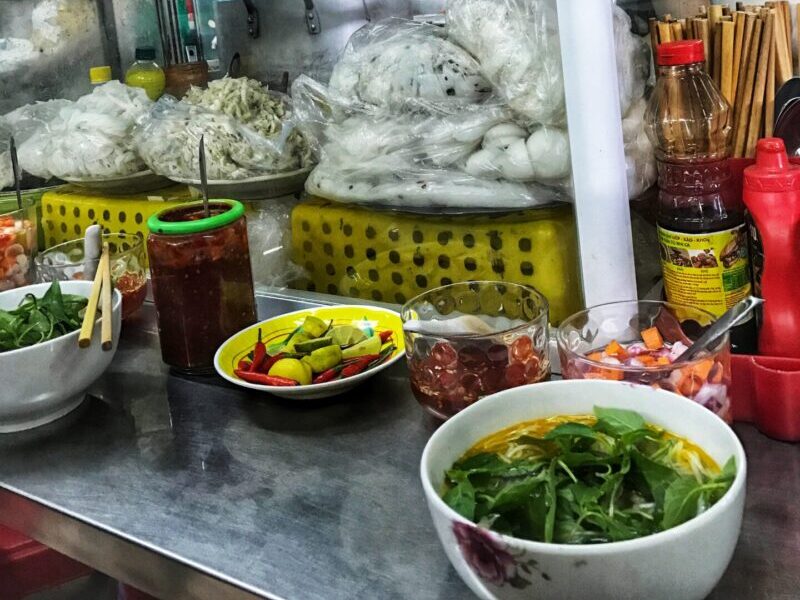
(690, 385)
(652, 339)
(614, 348)
(609, 374)
(702, 369)
(662, 360)
(596, 356)
(646, 359)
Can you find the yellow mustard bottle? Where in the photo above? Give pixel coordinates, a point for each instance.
(146, 74)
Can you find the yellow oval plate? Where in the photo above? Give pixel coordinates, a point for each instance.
(276, 329)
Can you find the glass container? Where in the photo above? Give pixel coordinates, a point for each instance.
(202, 282)
(18, 246)
(468, 340)
(68, 261)
(179, 78)
(584, 337)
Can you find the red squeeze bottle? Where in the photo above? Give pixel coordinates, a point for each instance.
(772, 195)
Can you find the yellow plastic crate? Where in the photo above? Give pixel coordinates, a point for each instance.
(69, 210)
(392, 257)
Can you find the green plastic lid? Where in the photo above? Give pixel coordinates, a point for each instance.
(220, 217)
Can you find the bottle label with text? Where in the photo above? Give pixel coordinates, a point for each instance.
(710, 271)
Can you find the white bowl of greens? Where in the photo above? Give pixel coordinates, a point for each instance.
(43, 372)
(649, 492)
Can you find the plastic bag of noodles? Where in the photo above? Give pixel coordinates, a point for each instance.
(391, 61)
(88, 138)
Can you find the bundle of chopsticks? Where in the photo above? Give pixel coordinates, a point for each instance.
(749, 56)
(100, 294)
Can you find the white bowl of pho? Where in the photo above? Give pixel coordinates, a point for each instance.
(586, 489)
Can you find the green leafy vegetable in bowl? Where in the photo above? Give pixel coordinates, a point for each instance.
(585, 479)
(38, 320)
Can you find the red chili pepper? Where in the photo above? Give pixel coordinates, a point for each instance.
(244, 365)
(270, 360)
(259, 354)
(262, 379)
(328, 375)
(356, 367)
(386, 335)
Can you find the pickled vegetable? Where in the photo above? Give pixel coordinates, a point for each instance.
(371, 345)
(314, 327)
(324, 358)
(292, 368)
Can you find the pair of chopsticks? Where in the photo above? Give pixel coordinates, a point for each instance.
(101, 285)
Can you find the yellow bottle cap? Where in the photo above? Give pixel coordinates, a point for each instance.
(98, 75)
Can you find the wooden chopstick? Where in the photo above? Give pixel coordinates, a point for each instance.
(90, 316)
(757, 107)
(105, 329)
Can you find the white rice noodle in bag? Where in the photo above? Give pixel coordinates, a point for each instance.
(88, 138)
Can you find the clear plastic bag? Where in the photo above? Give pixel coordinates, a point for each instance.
(29, 126)
(391, 61)
(6, 172)
(639, 153)
(88, 138)
(269, 232)
(169, 136)
(517, 45)
(413, 155)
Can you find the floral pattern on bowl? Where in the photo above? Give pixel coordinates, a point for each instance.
(490, 558)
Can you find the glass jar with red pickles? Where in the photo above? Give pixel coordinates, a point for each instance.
(202, 282)
(468, 340)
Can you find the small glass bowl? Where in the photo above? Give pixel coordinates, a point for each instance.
(66, 262)
(468, 340)
(705, 380)
(18, 234)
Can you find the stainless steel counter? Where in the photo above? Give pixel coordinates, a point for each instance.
(195, 489)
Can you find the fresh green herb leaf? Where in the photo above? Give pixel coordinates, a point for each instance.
(680, 501)
(616, 421)
(657, 476)
(461, 497)
(571, 430)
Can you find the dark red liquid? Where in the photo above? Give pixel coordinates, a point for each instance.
(203, 290)
(449, 376)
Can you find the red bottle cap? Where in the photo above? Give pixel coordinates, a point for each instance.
(680, 53)
(772, 171)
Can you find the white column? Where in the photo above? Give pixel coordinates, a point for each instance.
(598, 159)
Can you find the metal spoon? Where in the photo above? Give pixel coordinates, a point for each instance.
(15, 169)
(733, 317)
(203, 176)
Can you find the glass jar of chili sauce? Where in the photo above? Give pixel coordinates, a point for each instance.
(202, 282)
